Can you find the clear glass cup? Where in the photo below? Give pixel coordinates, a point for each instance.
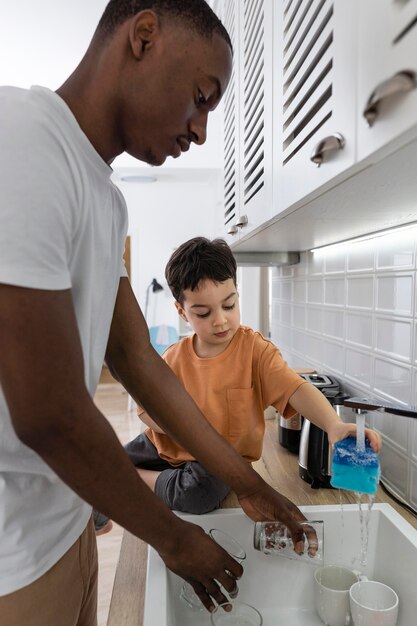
(240, 615)
(231, 546)
(275, 538)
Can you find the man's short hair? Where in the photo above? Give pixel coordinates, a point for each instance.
(195, 14)
(199, 259)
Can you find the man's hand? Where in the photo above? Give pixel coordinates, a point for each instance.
(266, 504)
(204, 564)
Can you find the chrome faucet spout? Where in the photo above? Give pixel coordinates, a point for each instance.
(372, 404)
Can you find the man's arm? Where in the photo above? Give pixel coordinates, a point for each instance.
(42, 377)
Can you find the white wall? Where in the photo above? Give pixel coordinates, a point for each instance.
(351, 311)
(163, 215)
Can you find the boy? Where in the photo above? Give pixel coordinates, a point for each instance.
(233, 374)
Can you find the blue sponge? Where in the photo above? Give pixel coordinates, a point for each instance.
(353, 469)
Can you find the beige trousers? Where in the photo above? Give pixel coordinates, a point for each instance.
(66, 595)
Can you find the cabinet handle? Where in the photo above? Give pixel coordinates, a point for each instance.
(402, 82)
(232, 230)
(242, 221)
(328, 144)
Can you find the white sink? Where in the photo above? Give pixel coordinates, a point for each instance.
(282, 589)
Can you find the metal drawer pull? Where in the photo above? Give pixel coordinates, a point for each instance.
(242, 221)
(232, 230)
(402, 82)
(328, 144)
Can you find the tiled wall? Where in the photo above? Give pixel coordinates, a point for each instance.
(351, 311)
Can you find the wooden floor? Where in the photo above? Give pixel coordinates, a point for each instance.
(112, 400)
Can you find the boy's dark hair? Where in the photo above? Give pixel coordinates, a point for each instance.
(196, 14)
(198, 259)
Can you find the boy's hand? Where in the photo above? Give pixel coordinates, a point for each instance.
(266, 504)
(340, 430)
(204, 564)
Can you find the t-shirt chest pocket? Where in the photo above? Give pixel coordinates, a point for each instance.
(243, 411)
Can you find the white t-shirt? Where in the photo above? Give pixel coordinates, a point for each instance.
(62, 226)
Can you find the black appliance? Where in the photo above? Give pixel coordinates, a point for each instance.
(315, 454)
(289, 432)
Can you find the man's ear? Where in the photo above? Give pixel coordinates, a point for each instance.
(143, 28)
(181, 311)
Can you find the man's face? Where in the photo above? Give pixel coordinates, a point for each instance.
(180, 79)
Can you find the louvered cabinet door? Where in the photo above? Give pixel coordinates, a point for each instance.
(231, 190)
(314, 97)
(387, 75)
(255, 123)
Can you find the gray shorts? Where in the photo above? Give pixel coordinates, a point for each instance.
(188, 488)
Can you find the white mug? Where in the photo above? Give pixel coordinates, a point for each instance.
(373, 604)
(331, 592)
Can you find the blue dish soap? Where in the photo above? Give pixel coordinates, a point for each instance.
(353, 469)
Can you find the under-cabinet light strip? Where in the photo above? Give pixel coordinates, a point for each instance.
(380, 233)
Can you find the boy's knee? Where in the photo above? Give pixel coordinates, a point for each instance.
(189, 491)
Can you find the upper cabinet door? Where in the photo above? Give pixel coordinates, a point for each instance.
(255, 96)
(314, 95)
(387, 74)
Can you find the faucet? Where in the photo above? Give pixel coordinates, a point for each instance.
(362, 405)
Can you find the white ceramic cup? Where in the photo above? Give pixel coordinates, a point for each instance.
(373, 604)
(331, 593)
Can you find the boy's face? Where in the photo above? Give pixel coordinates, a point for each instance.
(212, 310)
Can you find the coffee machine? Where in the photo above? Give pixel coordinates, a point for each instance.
(315, 453)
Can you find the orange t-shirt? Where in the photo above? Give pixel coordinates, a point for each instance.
(232, 390)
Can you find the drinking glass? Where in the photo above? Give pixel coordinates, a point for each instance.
(231, 546)
(240, 615)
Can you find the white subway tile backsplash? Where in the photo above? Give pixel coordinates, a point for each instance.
(315, 263)
(393, 427)
(394, 337)
(360, 292)
(334, 323)
(397, 250)
(299, 291)
(361, 257)
(334, 291)
(358, 366)
(334, 261)
(394, 468)
(359, 311)
(314, 319)
(315, 291)
(395, 294)
(298, 316)
(333, 355)
(286, 290)
(359, 329)
(393, 380)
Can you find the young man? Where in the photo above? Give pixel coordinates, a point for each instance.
(153, 72)
(232, 373)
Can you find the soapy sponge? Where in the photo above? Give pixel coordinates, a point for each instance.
(354, 469)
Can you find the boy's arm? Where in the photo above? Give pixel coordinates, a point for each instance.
(144, 417)
(312, 404)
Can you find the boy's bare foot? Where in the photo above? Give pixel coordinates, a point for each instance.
(106, 529)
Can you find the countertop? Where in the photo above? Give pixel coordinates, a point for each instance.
(279, 468)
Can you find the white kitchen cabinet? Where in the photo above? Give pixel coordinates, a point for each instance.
(248, 118)
(326, 173)
(387, 74)
(314, 96)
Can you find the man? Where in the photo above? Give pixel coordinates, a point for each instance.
(151, 75)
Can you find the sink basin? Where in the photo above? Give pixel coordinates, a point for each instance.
(282, 589)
